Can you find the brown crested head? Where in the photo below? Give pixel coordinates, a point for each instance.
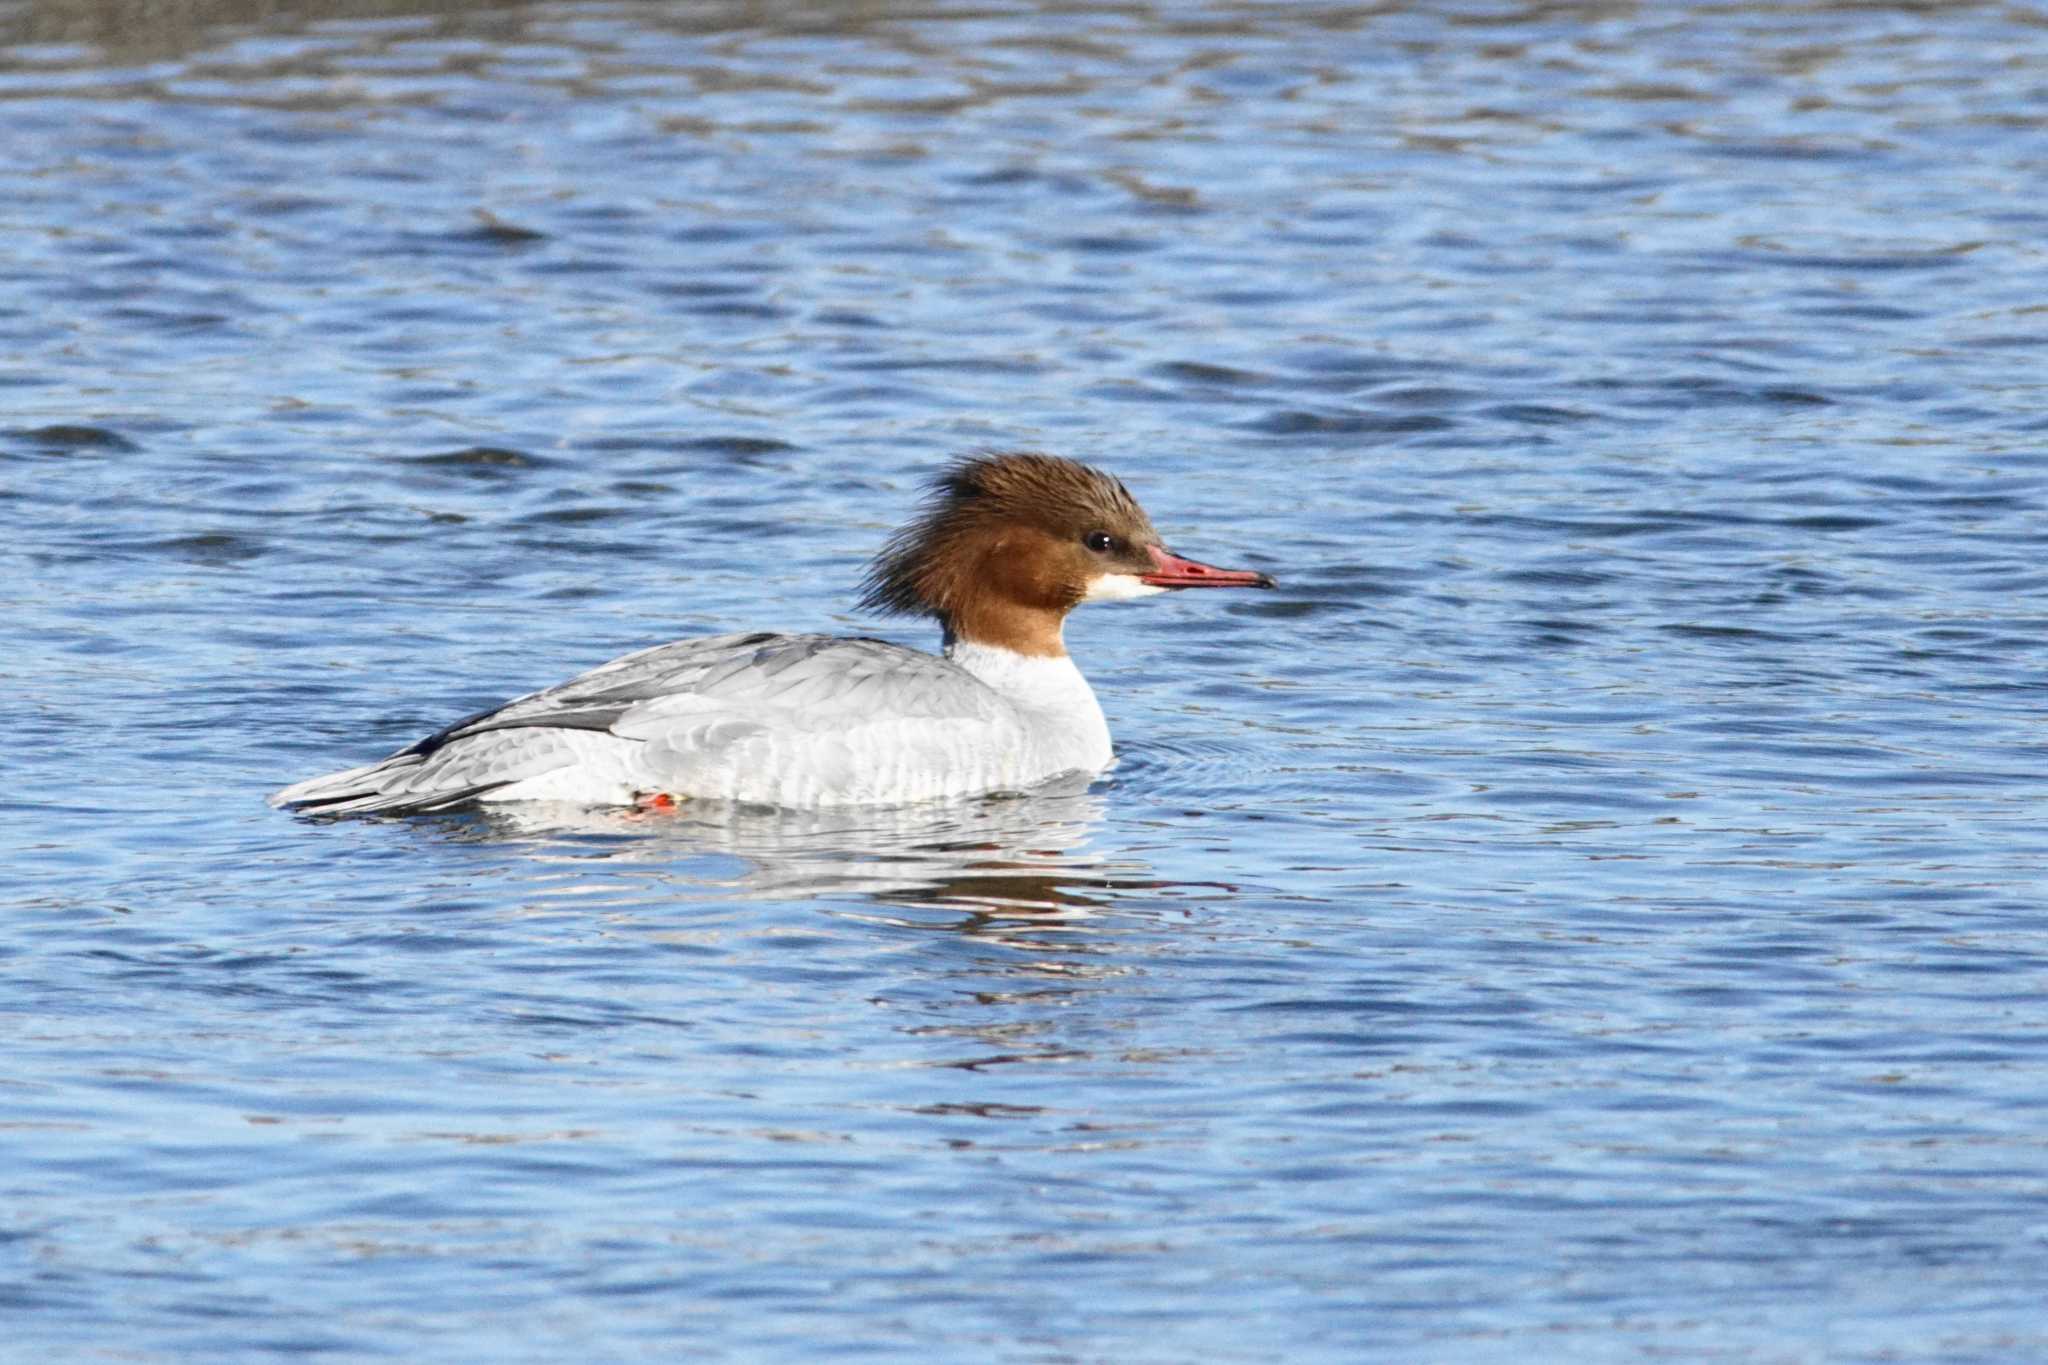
(1007, 544)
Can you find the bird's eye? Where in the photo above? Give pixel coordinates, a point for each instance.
(1102, 542)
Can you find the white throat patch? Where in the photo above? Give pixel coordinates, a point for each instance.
(1118, 587)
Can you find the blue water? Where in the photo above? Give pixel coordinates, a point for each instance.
(1593, 911)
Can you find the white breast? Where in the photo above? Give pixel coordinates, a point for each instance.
(1065, 727)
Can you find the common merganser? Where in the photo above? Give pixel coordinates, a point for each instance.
(1005, 546)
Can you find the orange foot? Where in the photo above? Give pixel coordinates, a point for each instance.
(654, 801)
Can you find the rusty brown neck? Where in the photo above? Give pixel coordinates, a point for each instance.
(1031, 631)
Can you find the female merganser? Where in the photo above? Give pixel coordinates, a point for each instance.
(1005, 547)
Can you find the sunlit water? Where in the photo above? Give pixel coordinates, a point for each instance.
(1593, 911)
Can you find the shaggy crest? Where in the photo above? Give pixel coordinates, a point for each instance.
(983, 505)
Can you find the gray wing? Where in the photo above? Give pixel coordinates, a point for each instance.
(773, 672)
(699, 701)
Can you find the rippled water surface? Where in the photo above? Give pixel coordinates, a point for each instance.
(1593, 911)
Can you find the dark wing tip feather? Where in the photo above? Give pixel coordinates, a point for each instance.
(372, 802)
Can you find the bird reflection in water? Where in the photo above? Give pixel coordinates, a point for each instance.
(1001, 859)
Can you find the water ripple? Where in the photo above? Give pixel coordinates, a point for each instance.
(1600, 885)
